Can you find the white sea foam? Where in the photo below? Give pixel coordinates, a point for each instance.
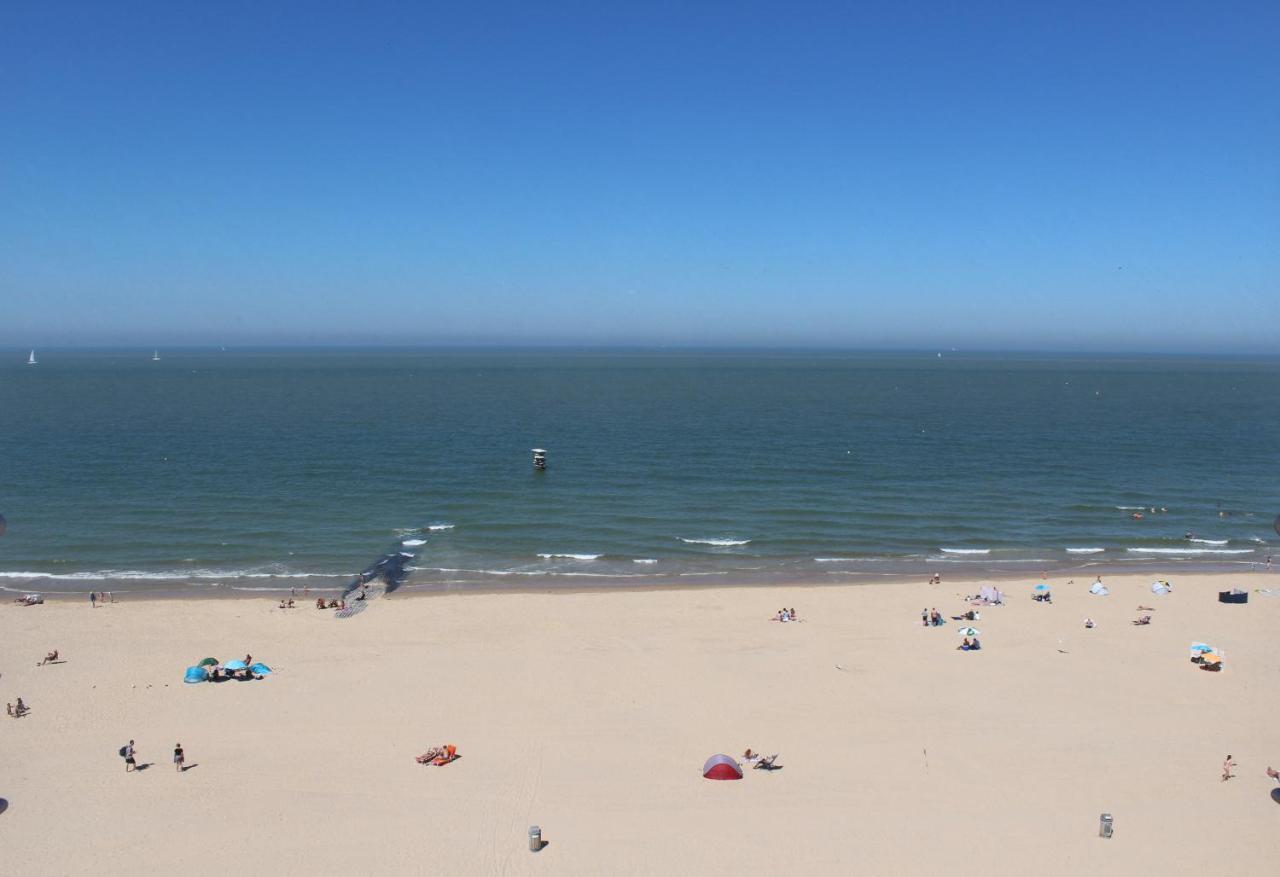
(644, 560)
(1085, 550)
(966, 550)
(571, 556)
(831, 559)
(1133, 508)
(439, 526)
(167, 576)
(1210, 541)
(1190, 551)
(414, 543)
(719, 543)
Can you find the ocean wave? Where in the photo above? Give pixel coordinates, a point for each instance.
(965, 550)
(414, 543)
(1085, 550)
(1190, 551)
(571, 556)
(833, 559)
(644, 560)
(439, 526)
(719, 543)
(168, 576)
(1210, 541)
(1132, 508)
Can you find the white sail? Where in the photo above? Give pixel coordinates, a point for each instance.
(155, 357)
(31, 360)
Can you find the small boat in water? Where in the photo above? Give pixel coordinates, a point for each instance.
(155, 357)
(31, 360)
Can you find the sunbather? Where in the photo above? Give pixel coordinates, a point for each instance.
(765, 762)
(430, 755)
(749, 755)
(975, 645)
(1143, 619)
(450, 754)
(964, 646)
(51, 657)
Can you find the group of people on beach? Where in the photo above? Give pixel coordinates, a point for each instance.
(931, 618)
(96, 597)
(332, 604)
(785, 614)
(18, 710)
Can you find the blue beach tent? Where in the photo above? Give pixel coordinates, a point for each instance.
(196, 674)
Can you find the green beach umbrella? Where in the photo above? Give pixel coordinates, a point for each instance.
(208, 662)
(968, 631)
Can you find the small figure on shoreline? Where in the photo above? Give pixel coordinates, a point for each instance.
(130, 758)
(49, 658)
(1226, 769)
(178, 757)
(93, 599)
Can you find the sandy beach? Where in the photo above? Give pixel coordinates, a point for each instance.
(590, 714)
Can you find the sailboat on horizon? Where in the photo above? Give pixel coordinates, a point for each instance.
(31, 360)
(155, 357)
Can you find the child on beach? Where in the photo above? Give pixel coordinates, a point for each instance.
(177, 756)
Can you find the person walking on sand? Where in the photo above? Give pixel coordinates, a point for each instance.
(130, 760)
(93, 599)
(177, 757)
(1226, 769)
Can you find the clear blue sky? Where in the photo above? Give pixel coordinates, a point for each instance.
(1093, 176)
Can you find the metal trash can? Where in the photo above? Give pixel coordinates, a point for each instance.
(535, 838)
(1105, 825)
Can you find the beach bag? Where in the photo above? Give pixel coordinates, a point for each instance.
(123, 750)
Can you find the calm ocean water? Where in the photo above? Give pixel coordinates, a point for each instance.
(266, 470)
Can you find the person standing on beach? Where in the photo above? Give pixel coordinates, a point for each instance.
(93, 599)
(177, 757)
(130, 761)
(1226, 769)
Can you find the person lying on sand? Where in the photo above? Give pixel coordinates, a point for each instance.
(1143, 619)
(50, 658)
(1273, 773)
(430, 755)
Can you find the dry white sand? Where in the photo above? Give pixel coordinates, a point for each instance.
(590, 714)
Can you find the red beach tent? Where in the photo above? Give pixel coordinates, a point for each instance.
(721, 767)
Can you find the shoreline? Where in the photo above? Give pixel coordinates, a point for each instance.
(183, 591)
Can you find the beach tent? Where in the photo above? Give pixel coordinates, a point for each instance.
(260, 669)
(1041, 588)
(990, 594)
(1160, 587)
(721, 767)
(1099, 589)
(196, 674)
(235, 665)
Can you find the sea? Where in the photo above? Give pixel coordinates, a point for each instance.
(241, 471)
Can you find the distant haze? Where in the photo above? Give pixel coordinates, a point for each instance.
(981, 176)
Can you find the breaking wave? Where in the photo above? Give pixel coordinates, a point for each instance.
(719, 543)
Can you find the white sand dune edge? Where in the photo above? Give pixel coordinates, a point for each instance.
(590, 714)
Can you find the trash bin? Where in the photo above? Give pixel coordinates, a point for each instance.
(535, 838)
(1105, 825)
